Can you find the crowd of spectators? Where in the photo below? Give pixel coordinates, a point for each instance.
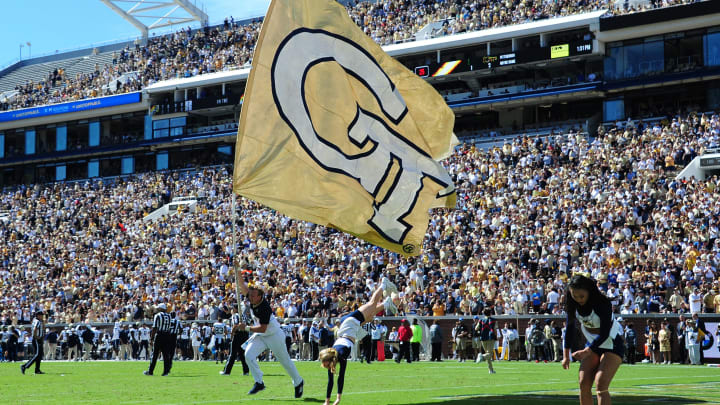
(529, 214)
(188, 53)
(629, 7)
(185, 53)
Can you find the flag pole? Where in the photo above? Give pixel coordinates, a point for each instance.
(234, 252)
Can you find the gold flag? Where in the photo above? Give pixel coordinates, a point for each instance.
(336, 132)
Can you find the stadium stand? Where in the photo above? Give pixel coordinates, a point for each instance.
(535, 203)
(230, 45)
(606, 206)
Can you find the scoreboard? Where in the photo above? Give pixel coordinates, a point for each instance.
(473, 62)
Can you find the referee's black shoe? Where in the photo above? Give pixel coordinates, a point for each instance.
(146, 372)
(299, 389)
(22, 368)
(256, 388)
(39, 372)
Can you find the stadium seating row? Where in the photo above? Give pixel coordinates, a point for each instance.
(529, 213)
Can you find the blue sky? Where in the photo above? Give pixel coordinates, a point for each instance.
(51, 25)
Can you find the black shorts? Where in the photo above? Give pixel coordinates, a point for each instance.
(618, 347)
(343, 351)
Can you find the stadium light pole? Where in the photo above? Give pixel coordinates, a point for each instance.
(21, 47)
(29, 50)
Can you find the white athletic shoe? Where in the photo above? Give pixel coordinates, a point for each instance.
(388, 287)
(479, 358)
(390, 308)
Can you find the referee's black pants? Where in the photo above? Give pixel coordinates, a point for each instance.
(236, 351)
(164, 343)
(365, 347)
(39, 354)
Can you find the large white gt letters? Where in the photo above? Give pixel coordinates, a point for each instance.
(299, 52)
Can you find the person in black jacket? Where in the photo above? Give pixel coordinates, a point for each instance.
(631, 343)
(12, 343)
(87, 335)
(52, 340)
(73, 344)
(125, 352)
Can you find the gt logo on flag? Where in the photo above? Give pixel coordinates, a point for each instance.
(296, 55)
(336, 132)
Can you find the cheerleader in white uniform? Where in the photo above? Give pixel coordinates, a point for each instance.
(602, 356)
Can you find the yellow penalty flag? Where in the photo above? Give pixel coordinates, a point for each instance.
(336, 132)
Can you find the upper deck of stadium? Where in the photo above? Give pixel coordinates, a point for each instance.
(403, 27)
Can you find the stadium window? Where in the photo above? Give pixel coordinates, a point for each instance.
(45, 173)
(77, 170)
(127, 165)
(60, 172)
(45, 139)
(500, 47)
(110, 167)
(224, 155)
(147, 127)
(177, 126)
(225, 150)
(162, 161)
(94, 134)
(61, 138)
(614, 62)
(78, 136)
(613, 110)
(713, 98)
(529, 42)
(634, 60)
(711, 49)
(30, 142)
(14, 143)
(161, 128)
(683, 53)
(177, 122)
(145, 162)
(93, 168)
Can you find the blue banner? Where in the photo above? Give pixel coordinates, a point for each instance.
(75, 106)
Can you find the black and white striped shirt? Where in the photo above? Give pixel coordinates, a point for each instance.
(38, 329)
(369, 327)
(162, 322)
(246, 315)
(176, 326)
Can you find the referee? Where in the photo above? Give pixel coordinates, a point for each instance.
(176, 329)
(163, 340)
(38, 331)
(239, 336)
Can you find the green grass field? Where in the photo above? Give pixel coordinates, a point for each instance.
(378, 383)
